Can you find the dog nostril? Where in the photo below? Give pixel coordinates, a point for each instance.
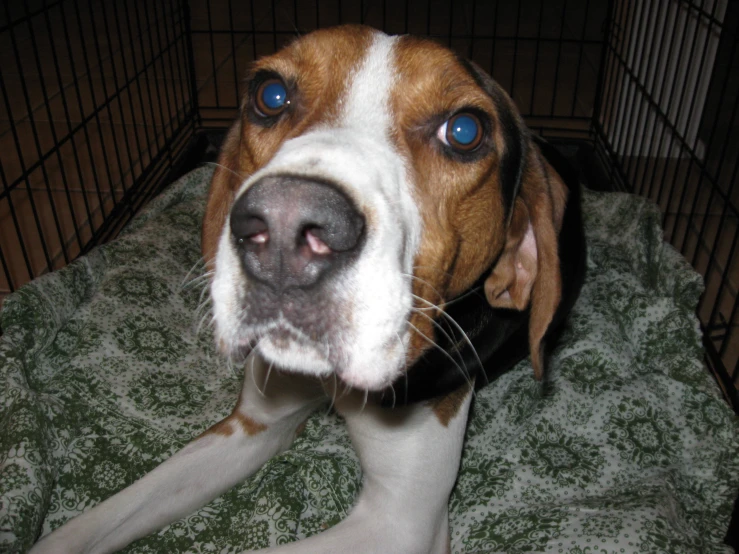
(316, 245)
(290, 232)
(252, 229)
(259, 238)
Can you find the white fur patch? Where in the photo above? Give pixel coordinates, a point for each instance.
(366, 104)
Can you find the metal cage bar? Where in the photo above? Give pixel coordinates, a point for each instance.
(667, 127)
(97, 103)
(568, 95)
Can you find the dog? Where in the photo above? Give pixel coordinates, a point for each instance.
(384, 231)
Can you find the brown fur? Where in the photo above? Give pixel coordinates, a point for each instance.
(535, 281)
(461, 204)
(226, 426)
(446, 407)
(223, 428)
(509, 284)
(301, 428)
(547, 209)
(250, 426)
(226, 179)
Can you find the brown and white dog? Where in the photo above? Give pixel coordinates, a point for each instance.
(382, 230)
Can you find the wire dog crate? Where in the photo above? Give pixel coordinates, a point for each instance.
(104, 102)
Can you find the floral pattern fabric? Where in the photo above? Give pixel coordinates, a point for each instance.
(108, 368)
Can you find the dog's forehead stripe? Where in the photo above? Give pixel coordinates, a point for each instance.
(366, 102)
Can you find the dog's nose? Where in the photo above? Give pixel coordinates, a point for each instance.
(290, 231)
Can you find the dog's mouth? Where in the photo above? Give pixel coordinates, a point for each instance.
(283, 336)
(289, 349)
(286, 346)
(352, 327)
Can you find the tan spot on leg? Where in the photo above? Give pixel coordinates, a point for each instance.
(301, 428)
(447, 406)
(249, 426)
(223, 428)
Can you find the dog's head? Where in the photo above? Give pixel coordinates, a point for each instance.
(367, 180)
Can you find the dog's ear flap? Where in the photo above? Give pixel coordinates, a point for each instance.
(527, 272)
(224, 184)
(509, 284)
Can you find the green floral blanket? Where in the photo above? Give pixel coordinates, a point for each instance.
(106, 371)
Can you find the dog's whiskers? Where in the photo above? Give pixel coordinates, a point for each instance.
(203, 309)
(364, 402)
(266, 378)
(405, 357)
(424, 282)
(452, 340)
(200, 262)
(438, 347)
(465, 337)
(453, 301)
(434, 269)
(204, 299)
(216, 164)
(207, 313)
(432, 306)
(204, 294)
(199, 280)
(252, 359)
(392, 389)
(333, 395)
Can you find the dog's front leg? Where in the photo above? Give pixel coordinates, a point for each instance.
(410, 457)
(262, 424)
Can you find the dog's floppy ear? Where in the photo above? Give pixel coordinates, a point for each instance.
(527, 272)
(223, 186)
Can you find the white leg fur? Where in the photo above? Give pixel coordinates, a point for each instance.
(204, 469)
(410, 462)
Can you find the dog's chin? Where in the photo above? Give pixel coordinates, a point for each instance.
(292, 352)
(294, 355)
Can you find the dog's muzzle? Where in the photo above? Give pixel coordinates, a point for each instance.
(312, 269)
(290, 232)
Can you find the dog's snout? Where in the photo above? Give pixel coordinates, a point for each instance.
(291, 231)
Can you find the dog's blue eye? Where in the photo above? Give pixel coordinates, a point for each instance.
(271, 97)
(462, 132)
(274, 96)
